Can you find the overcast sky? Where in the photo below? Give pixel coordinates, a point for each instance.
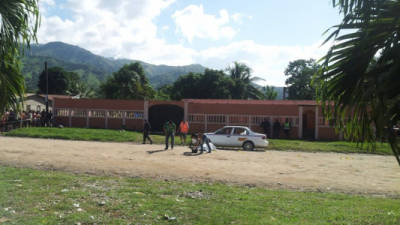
(265, 34)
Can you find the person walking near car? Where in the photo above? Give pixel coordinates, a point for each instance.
(276, 128)
(169, 131)
(183, 131)
(146, 131)
(286, 128)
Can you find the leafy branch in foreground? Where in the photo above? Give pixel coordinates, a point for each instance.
(19, 21)
(359, 81)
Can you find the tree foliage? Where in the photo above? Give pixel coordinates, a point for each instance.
(243, 87)
(18, 26)
(270, 93)
(359, 82)
(129, 82)
(300, 74)
(58, 80)
(213, 84)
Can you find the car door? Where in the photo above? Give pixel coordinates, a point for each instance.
(222, 137)
(239, 136)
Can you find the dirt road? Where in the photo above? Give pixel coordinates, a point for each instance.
(350, 173)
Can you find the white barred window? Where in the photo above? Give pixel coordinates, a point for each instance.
(134, 115)
(116, 114)
(238, 119)
(98, 113)
(79, 113)
(62, 112)
(196, 118)
(217, 119)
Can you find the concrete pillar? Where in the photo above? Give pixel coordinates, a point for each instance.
(300, 122)
(205, 122)
(124, 119)
(106, 119)
(185, 110)
(146, 110)
(87, 118)
(227, 120)
(70, 117)
(316, 123)
(270, 126)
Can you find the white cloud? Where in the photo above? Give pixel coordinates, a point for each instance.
(239, 17)
(192, 23)
(47, 2)
(126, 29)
(268, 62)
(116, 28)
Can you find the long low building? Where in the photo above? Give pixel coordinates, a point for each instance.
(204, 115)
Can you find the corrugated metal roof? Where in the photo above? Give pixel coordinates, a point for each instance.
(252, 102)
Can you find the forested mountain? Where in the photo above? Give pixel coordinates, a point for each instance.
(92, 68)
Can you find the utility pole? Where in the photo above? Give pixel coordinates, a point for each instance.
(47, 87)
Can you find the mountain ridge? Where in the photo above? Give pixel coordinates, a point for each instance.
(92, 67)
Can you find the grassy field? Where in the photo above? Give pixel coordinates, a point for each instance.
(47, 197)
(128, 136)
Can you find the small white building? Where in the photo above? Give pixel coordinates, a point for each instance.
(37, 102)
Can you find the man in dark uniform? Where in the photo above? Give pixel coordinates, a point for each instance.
(169, 131)
(146, 131)
(266, 126)
(276, 128)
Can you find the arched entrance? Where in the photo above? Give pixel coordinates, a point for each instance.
(159, 114)
(309, 124)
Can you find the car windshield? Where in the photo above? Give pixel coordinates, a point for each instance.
(226, 130)
(240, 131)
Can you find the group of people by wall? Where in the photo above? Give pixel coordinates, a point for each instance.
(277, 126)
(12, 119)
(169, 129)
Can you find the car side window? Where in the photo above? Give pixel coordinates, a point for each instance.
(240, 131)
(224, 131)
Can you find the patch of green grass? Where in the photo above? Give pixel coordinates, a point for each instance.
(47, 197)
(83, 134)
(332, 146)
(129, 136)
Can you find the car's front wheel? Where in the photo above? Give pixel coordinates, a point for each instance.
(248, 146)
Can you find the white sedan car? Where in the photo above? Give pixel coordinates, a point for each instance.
(238, 136)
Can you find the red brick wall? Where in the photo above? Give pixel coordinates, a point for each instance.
(178, 103)
(62, 120)
(327, 133)
(278, 108)
(284, 110)
(78, 122)
(134, 124)
(100, 104)
(98, 123)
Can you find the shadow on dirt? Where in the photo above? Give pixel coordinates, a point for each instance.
(157, 151)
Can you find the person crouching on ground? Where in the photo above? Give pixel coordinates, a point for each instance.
(146, 131)
(205, 140)
(183, 131)
(169, 131)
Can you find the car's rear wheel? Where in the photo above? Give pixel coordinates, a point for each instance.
(248, 146)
